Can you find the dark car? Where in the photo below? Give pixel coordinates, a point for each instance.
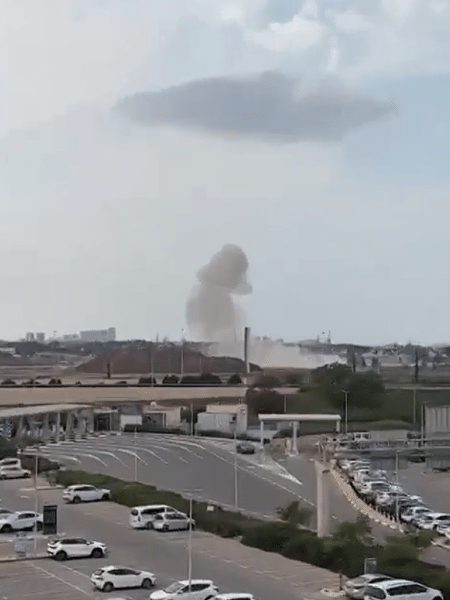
(245, 448)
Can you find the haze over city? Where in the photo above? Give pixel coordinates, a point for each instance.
(311, 135)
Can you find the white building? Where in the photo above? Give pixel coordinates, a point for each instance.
(162, 417)
(226, 418)
(98, 335)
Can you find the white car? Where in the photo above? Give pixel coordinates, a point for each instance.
(172, 521)
(64, 548)
(109, 578)
(402, 589)
(232, 596)
(430, 521)
(14, 473)
(200, 589)
(20, 520)
(10, 462)
(85, 493)
(355, 588)
(415, 512)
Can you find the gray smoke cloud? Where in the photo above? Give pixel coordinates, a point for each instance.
(211, 312)
(270, 106)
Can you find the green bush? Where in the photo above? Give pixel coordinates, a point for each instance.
(271, 537)
(304, 546)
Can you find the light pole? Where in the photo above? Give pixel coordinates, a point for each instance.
(346, 411)
(396, 481)
(182, 353)
(36, 503)
(235, 471)
(191, 428)
(135, 456)
(191, 502)
(414, 405)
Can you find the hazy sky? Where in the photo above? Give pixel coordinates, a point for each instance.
(313, 134)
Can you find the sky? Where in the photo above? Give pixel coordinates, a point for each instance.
(138, 138)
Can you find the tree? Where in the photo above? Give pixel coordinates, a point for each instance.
(147, 380)
(365, 390)
(234, 379)
(108, 370)
(267, 382)
(264, 401)
(170, 379)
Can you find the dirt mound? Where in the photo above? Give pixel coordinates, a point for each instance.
(164, 360)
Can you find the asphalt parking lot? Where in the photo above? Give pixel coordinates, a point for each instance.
(45, 579)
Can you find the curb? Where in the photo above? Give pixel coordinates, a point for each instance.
(19, 559)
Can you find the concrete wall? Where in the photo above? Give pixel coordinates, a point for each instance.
(223, 422)
(130, 420)
(437, 421)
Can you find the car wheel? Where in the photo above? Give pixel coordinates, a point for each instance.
(39, 526)
(149, 525)
(146, 584)
(77, 500)
(165, 528)
(61, 555)
(108, 587)
(105, 497)
(6, 528)
(97, 553)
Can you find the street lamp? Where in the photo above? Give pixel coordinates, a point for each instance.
(190, 493)
(135, 456)
(235, 470)
(182, 353)
(346, 411)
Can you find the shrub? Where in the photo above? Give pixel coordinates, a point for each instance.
(8, 382)
(295, 514)
(271, 537)
(234, 379)
(170, 379)
(305, 546)
(147, 381)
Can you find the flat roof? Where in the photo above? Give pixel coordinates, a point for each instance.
(8, 413)
(299, 417)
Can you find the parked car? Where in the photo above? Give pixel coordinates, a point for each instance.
(432, 521)
(142, 517)
(171, 521)
(14, 473)
(201, 589)
(355, 588)
(245, 448)
(109, 578)
(10, 462)
(85, 493)
(412, 513)
(374, 487)
(234, 596)
(21, 520)
(402, 589)
(62, 549)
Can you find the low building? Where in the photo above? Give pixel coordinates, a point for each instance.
(162, 417)
(98, 335)
(224, 418)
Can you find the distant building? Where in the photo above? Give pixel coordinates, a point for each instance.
(40, 337)
(98, 335)
(8, 350)
(29, 337)
(226, 418)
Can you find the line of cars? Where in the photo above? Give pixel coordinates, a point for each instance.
(160, 517)
(377, 489)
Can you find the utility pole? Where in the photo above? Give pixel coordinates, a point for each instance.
(191, 502)
(414, 405)
(396, 481)
(235, 471)
(36, 502)
(416, 368)
(346, 411)
(182, 352)
(135, 456)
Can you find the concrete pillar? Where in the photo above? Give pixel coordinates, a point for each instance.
(45, 427)
(69, 424)
(81, 423)
(90, 422)
(33, 428)
(58, 426)
(323, 497)
(294, 438)
(20, 430)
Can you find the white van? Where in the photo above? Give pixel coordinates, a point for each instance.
(10, 462)
(142, 517)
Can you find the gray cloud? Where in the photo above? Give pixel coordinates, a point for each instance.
(269, 106)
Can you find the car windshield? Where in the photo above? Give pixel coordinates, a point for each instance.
(174, 587)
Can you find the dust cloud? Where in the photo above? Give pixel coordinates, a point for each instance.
(212, 314)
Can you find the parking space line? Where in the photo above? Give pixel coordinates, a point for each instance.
(75, 587)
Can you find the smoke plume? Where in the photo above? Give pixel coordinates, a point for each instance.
(211, 312)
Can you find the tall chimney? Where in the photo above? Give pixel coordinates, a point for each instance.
(246, 339)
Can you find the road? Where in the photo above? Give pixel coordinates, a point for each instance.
(232, 566)
(182, 463)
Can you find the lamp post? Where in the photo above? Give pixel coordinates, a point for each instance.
(182, 353)
(191, 502)
(235, 471)
(346, 411)
(36, 502)
(135, 456)
(414, 405)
